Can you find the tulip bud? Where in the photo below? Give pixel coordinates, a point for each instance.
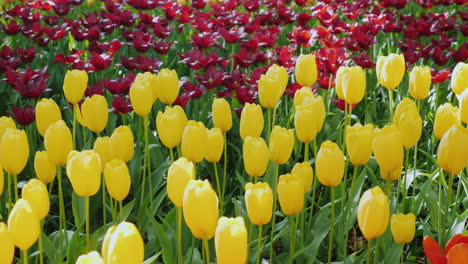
(170, 125)
(74, 85)
(373, 212)
(121, 144)
(35, 192)
(259, 202)
(103, 148)
(281, 144)
(7, 247)
(150, 80)
(420, 82)
(84, 172)
(359, 143)
(200, 207)
(459, 81)
(301, 95)
(23, 225)
(306, 70)
(140, 98)
(106, 242)
(168, 86)
(214, 145)
(14, 151)
(446, 116)
(291, 193)
(90, 258)
(231, 241)
(117, 179)
(452, 154)
(280, 73)
(403, 227)
(58, 143)
(47, 113)
(463, 104)
(390, 70)
(305, 172)
(269, 91)
(308, 119)
(408, 122)
(388, 151)
(126, 245)
(338, 81)
(353, 84)
(179, 174)
(194, 141)
(95, 113)
(256, 156)
(251, 121)
(330, 164)
(222, 116)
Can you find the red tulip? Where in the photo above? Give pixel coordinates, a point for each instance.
(23, 115)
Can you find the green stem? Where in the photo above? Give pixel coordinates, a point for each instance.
(148, 159)
(25, 256)
(404, 182)
(179, 235)
(390, 96)
(275, 199)
(293, 238)
(447, 205)
(104, 216)
(41, 257)
(225, 165)
(437, 97)
(172, 155)
(414, 177)
(369, 247)
(143, 181)
(207, 249)
(9, 191)
(348, 212)
(439, 217)
(87, 222)
(218, 185)
(306, 151)
(332, 224)
(124, 119)
(274, 118)
(62, 224)
(268, 124)
(376, 255)
(15, 182)
(343, 139)
(401, 253)
(259, 246)
(121, 211)
(74, 125)
(113, 210)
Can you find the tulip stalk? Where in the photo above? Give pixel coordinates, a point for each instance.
(179, 235)
(148, 158)
(9, 191)
(332, 224)
(348, 212)
(74, 125)
(418, 104)
(259, 246)
(390, 96)
(41, 257)
(225, 169)
(25, 256)
(172, 155)
(404, 181)
(206, 248)
(15, 185)
(447, 205)
(103, 200)
(369, 247)
(293, 226)
(121, 211)
(87, 222)
(275, 200)
(218, 185)
(62, 222)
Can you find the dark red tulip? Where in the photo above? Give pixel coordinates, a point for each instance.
(461, 54)
(234, 80)
(142, 63)
(26, 55)
(302, 36)
(23, 115)
(162, 47)
(440, 76)
(119, 85)
(99, 62)
(196, 60)
(326, 15)
(340, 103)
(121, 105)
(72, 59)
(51, 20)
(29, 83)
(292, 88)
(285, 56)
(61, 7)
(94, 89)
(246, 94)
(142, 42)
(142, 4)
(364, 60)
(243, 58)
(12, 28)
(211, 78)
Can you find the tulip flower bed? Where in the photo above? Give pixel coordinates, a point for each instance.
(243, 131)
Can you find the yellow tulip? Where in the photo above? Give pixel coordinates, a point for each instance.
(269, 91)
(251, 121)
(459, 81)
(90, 258)
(45, 170)
(95, 113)
(117, 179)
(194, 141)
(463, 104)
(222, 115)
(420, 82)
(106, 242)
(259, 202)
(47, 113)
(79, 116)
(214, 145)
(200, 206)
(14, 151)
(280, 73)
(452, 154)
(231, 241)
(306, 70)
(121, 144)
(329, 164)
(446, 116)
(140, 98)
(308, 119)
(256, 156)
(359, 143)
(103, 148)
(7, 247)
(338, 81)
(170, 125)
(301, 95)
(353, 84)
(403, 227)
(408, 121)
(150, 80)
(58, 143)
(305, 172)
(318, 107)
(179, 174)
(388, 151)
(23, 225)
(84, 172)
(291, 193)
(372, 213)
(35, 192)
(168, 85)
(390, 70)
(74, 85)
(126, 245)
(281, 144)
